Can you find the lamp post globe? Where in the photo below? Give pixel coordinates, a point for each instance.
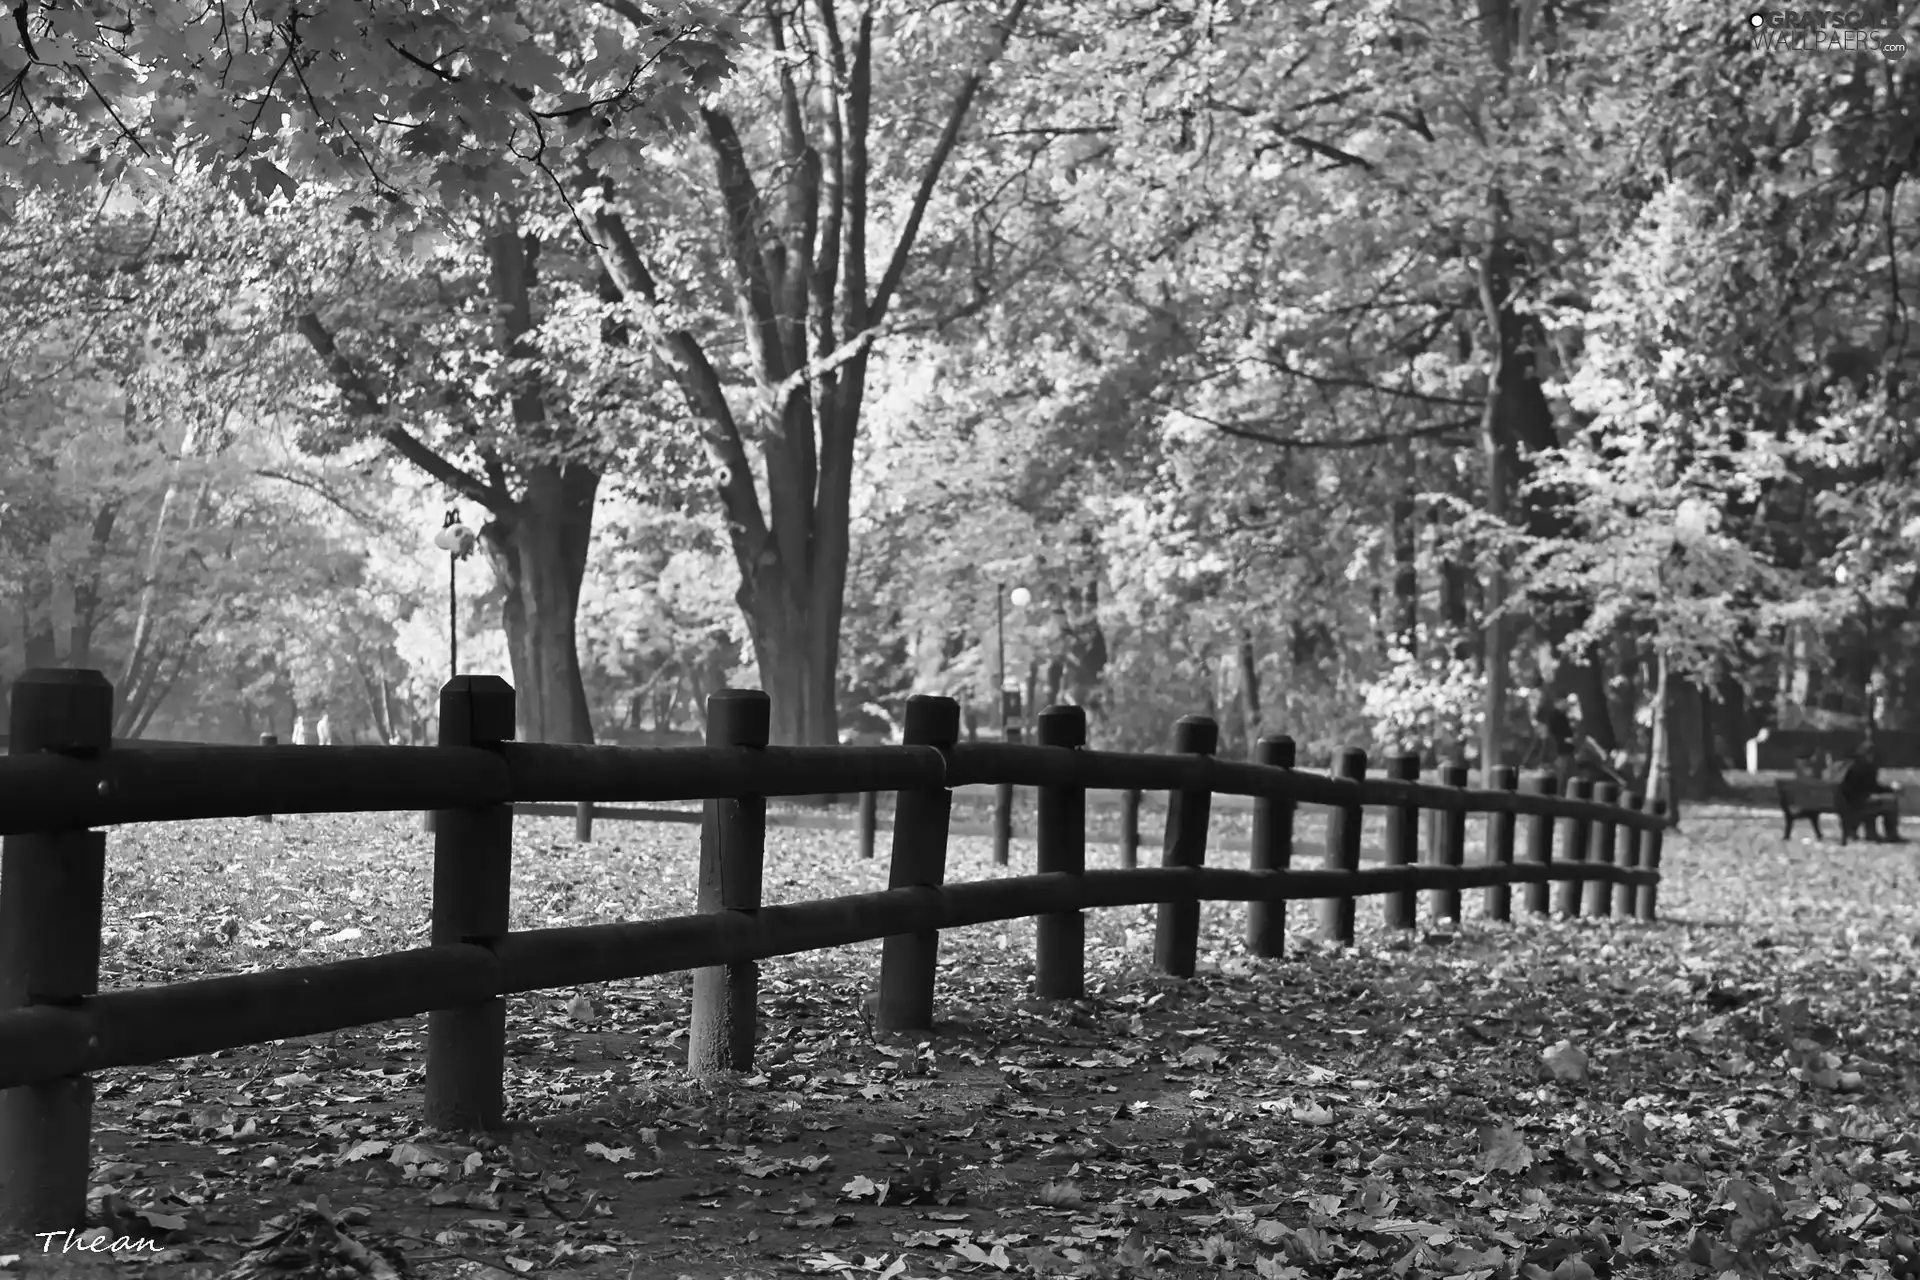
(1021, 597)
(457, 540)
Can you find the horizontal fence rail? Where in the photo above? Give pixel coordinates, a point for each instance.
(65, 776)
(179, 782)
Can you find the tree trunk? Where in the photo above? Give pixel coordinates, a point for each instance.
(1731, 720)
(1086, 643)
(538, 549)
(36, 618)
(1406, 576)
(1695, 774)
(1589, 681)
(86, 588)
(1660, 756)
(1250, 716)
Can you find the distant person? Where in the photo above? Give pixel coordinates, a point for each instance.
(302, 736)
(1860, 786)
(323, 731)
(1553, 741)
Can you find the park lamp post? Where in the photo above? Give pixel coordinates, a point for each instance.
(457, 540)
(1009, 701)
(1021, 597)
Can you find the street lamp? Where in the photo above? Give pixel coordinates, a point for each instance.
(1003, 793)
(1021, 598)
(457, 541)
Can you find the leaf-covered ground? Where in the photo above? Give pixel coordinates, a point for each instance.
(1733, 1090)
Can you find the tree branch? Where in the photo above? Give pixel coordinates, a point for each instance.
(1361, 384)
(1259, 435)
(963, 97)
(741, 201)
(699, 382)
(363, 401)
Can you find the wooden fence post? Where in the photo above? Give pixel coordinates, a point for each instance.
(869, 820)
(1130, 828)
(1498, 899)
(1003, 810)
(1624, 894)
(1647, 901)
(1600, 892)
(1575, 835)
(51, 885)
(1450, 842)
(1272, 851)
(909, 961)
(733, 842)
(1176, 926)
(472, 879)
(583, 821)
(268, 740)
(1403, 841)
(1343, 847)
(1540, 842)
(1060, 834)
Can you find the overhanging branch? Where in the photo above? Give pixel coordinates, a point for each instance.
(1261, 434)
(364, 401)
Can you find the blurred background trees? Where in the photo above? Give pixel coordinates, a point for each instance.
(1348, 372)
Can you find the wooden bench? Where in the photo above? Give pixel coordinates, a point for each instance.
(1810, 797)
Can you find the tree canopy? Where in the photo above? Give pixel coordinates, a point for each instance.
(1350, 373)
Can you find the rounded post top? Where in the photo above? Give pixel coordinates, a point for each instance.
(1062, 726)
(1350, 762)
(1580, 788)
(931, 721)
(1454, 773)
(1196, 735)
(1607, 793)
(1541, 784)
(476, 711)
(1276, 749)
(1505, 778)
(739, 718)
(1634, 800)
(60, 709)
(1403, 766)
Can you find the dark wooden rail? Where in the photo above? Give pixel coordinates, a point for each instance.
(65, 777)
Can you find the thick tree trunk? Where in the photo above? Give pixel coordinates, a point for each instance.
(1589, 681)
(538, 549)
(1696, 776)
(1734, 728)
(798, 656)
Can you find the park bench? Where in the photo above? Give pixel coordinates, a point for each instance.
(1810, 797)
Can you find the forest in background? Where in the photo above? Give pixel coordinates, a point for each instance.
(1346, 371)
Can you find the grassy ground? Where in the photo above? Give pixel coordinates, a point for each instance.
(1731, 1090)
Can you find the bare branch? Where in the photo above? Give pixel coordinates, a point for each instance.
(963, 97)
(1260, 434)
(364, 401)
(1362, 384)
(699, 381)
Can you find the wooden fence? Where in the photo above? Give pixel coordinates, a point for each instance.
(64, 776)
